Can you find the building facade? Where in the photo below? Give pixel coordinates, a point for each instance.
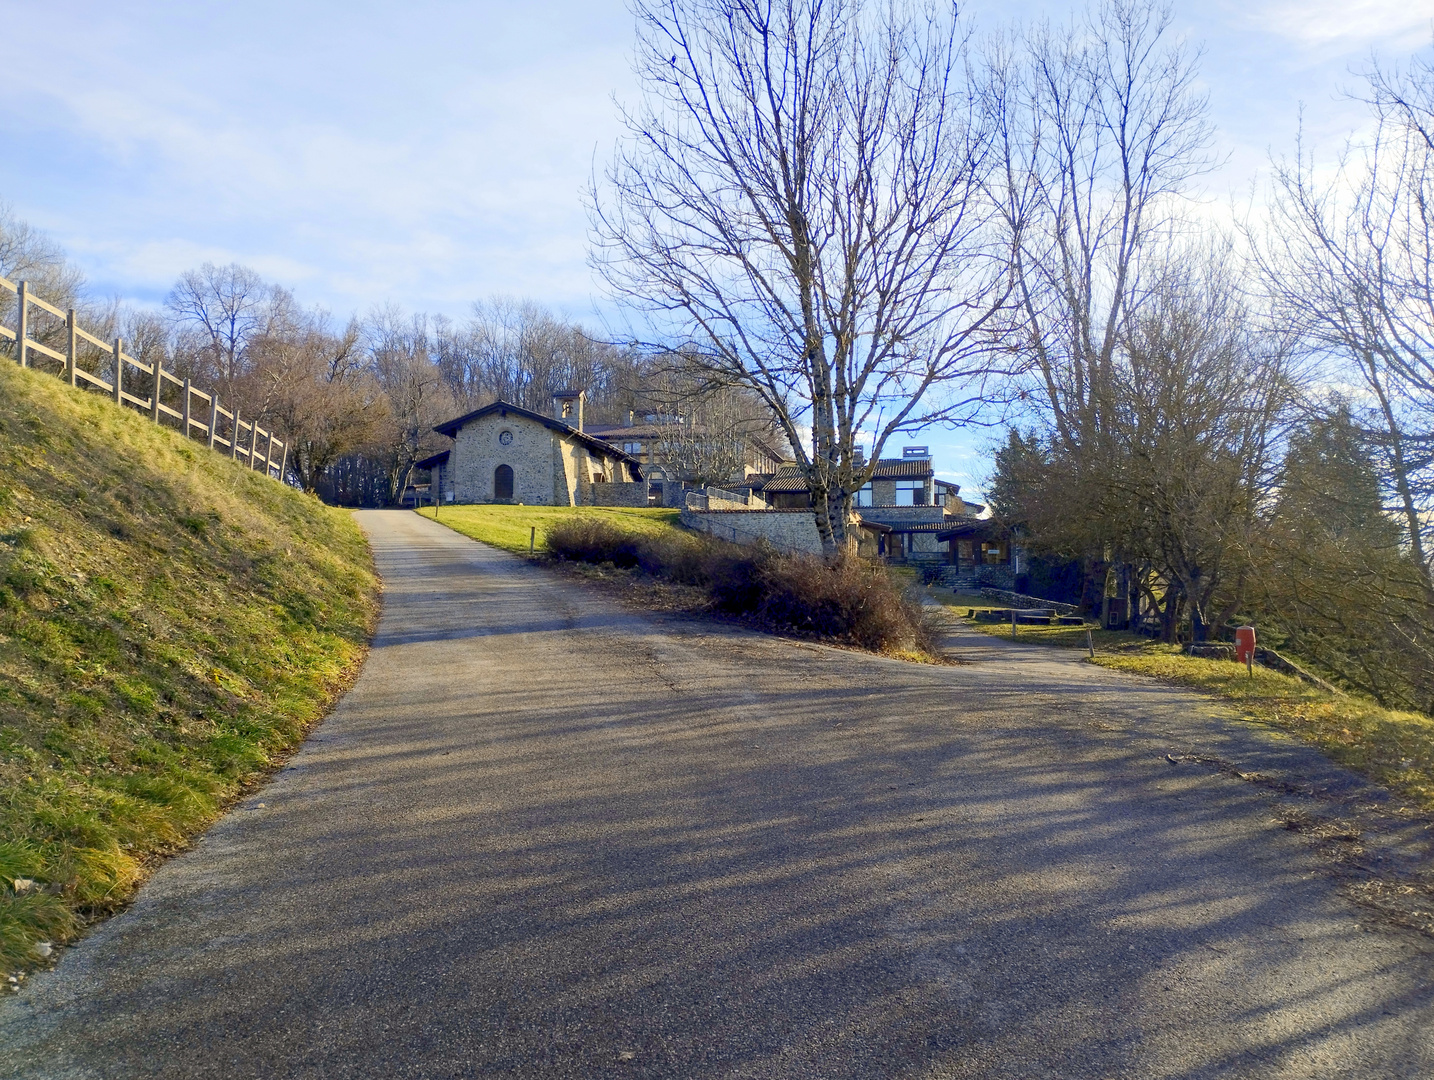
(503, 453)
(903, 495)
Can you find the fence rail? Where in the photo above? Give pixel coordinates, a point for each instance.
(215, 419)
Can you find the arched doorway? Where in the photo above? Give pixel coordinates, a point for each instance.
(503, 482)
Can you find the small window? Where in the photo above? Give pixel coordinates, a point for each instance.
(632, 447)
(862, 497)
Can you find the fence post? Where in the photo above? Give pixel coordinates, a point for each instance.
(185, 410)
(269, 455)
(213, 418)
(234, 437)
(22, 327)
(119, 370)
(158, 386)
(72, 345)
(253, 442)
(284, 461)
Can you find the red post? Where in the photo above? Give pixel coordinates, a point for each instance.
(1245, 648)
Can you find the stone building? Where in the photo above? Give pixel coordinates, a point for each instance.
(503, 453)
(903, 495)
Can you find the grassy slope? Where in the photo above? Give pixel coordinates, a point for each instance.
(1393, 748)
(508, 527)
(170, 625)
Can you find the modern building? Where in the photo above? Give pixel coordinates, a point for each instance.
(903, 495)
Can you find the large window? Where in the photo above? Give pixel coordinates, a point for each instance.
(633, 448)
(911, 493)
(862, 496)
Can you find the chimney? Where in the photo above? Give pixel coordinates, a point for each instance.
(568, 407)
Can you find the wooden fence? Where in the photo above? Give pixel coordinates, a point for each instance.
(152, 378)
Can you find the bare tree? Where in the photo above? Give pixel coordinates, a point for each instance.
(314, 386)
(1194, 409)
(1201, 401)
(704, 432)
(218, 311)
(521, 352)
(27, 254)
(1350, 262)
(1099, 131)
(418, 398)
(800, 201)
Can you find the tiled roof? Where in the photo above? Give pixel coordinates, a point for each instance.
(920, 526)
(897, 469)
(451, 427)
(789, 479)
(974, 528)
(785, 481)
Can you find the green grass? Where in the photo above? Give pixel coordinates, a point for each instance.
(170, 626)
(509, 527)
(1392, 748)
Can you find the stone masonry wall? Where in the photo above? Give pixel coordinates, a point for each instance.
(792, 530)
(531, 455)
(547, 467)
(612, 494)
(901, 515)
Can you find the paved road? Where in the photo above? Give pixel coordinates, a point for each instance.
(546, 837)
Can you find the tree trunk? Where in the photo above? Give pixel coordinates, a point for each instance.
(1170, 613)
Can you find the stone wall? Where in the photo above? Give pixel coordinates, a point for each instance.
(902, 515)
(612, 494)
(790, 530)
(883, 492)
(714, 503)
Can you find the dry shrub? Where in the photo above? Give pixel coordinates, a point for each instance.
(845, 599)
(593, 540)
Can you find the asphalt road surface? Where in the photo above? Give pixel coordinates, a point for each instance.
(545, 836)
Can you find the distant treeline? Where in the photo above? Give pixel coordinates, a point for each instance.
(358, 400)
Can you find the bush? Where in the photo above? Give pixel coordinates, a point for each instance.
(845, 599)
(593, 540)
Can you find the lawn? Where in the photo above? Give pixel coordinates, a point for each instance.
(171, 625)
(1390, 747)
(512, 527)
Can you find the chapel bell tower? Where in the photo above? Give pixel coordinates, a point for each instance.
(568, 407)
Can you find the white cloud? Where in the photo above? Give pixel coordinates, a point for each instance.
(1320, 24)
(355, 155)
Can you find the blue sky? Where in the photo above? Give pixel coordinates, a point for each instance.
(430, 154)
